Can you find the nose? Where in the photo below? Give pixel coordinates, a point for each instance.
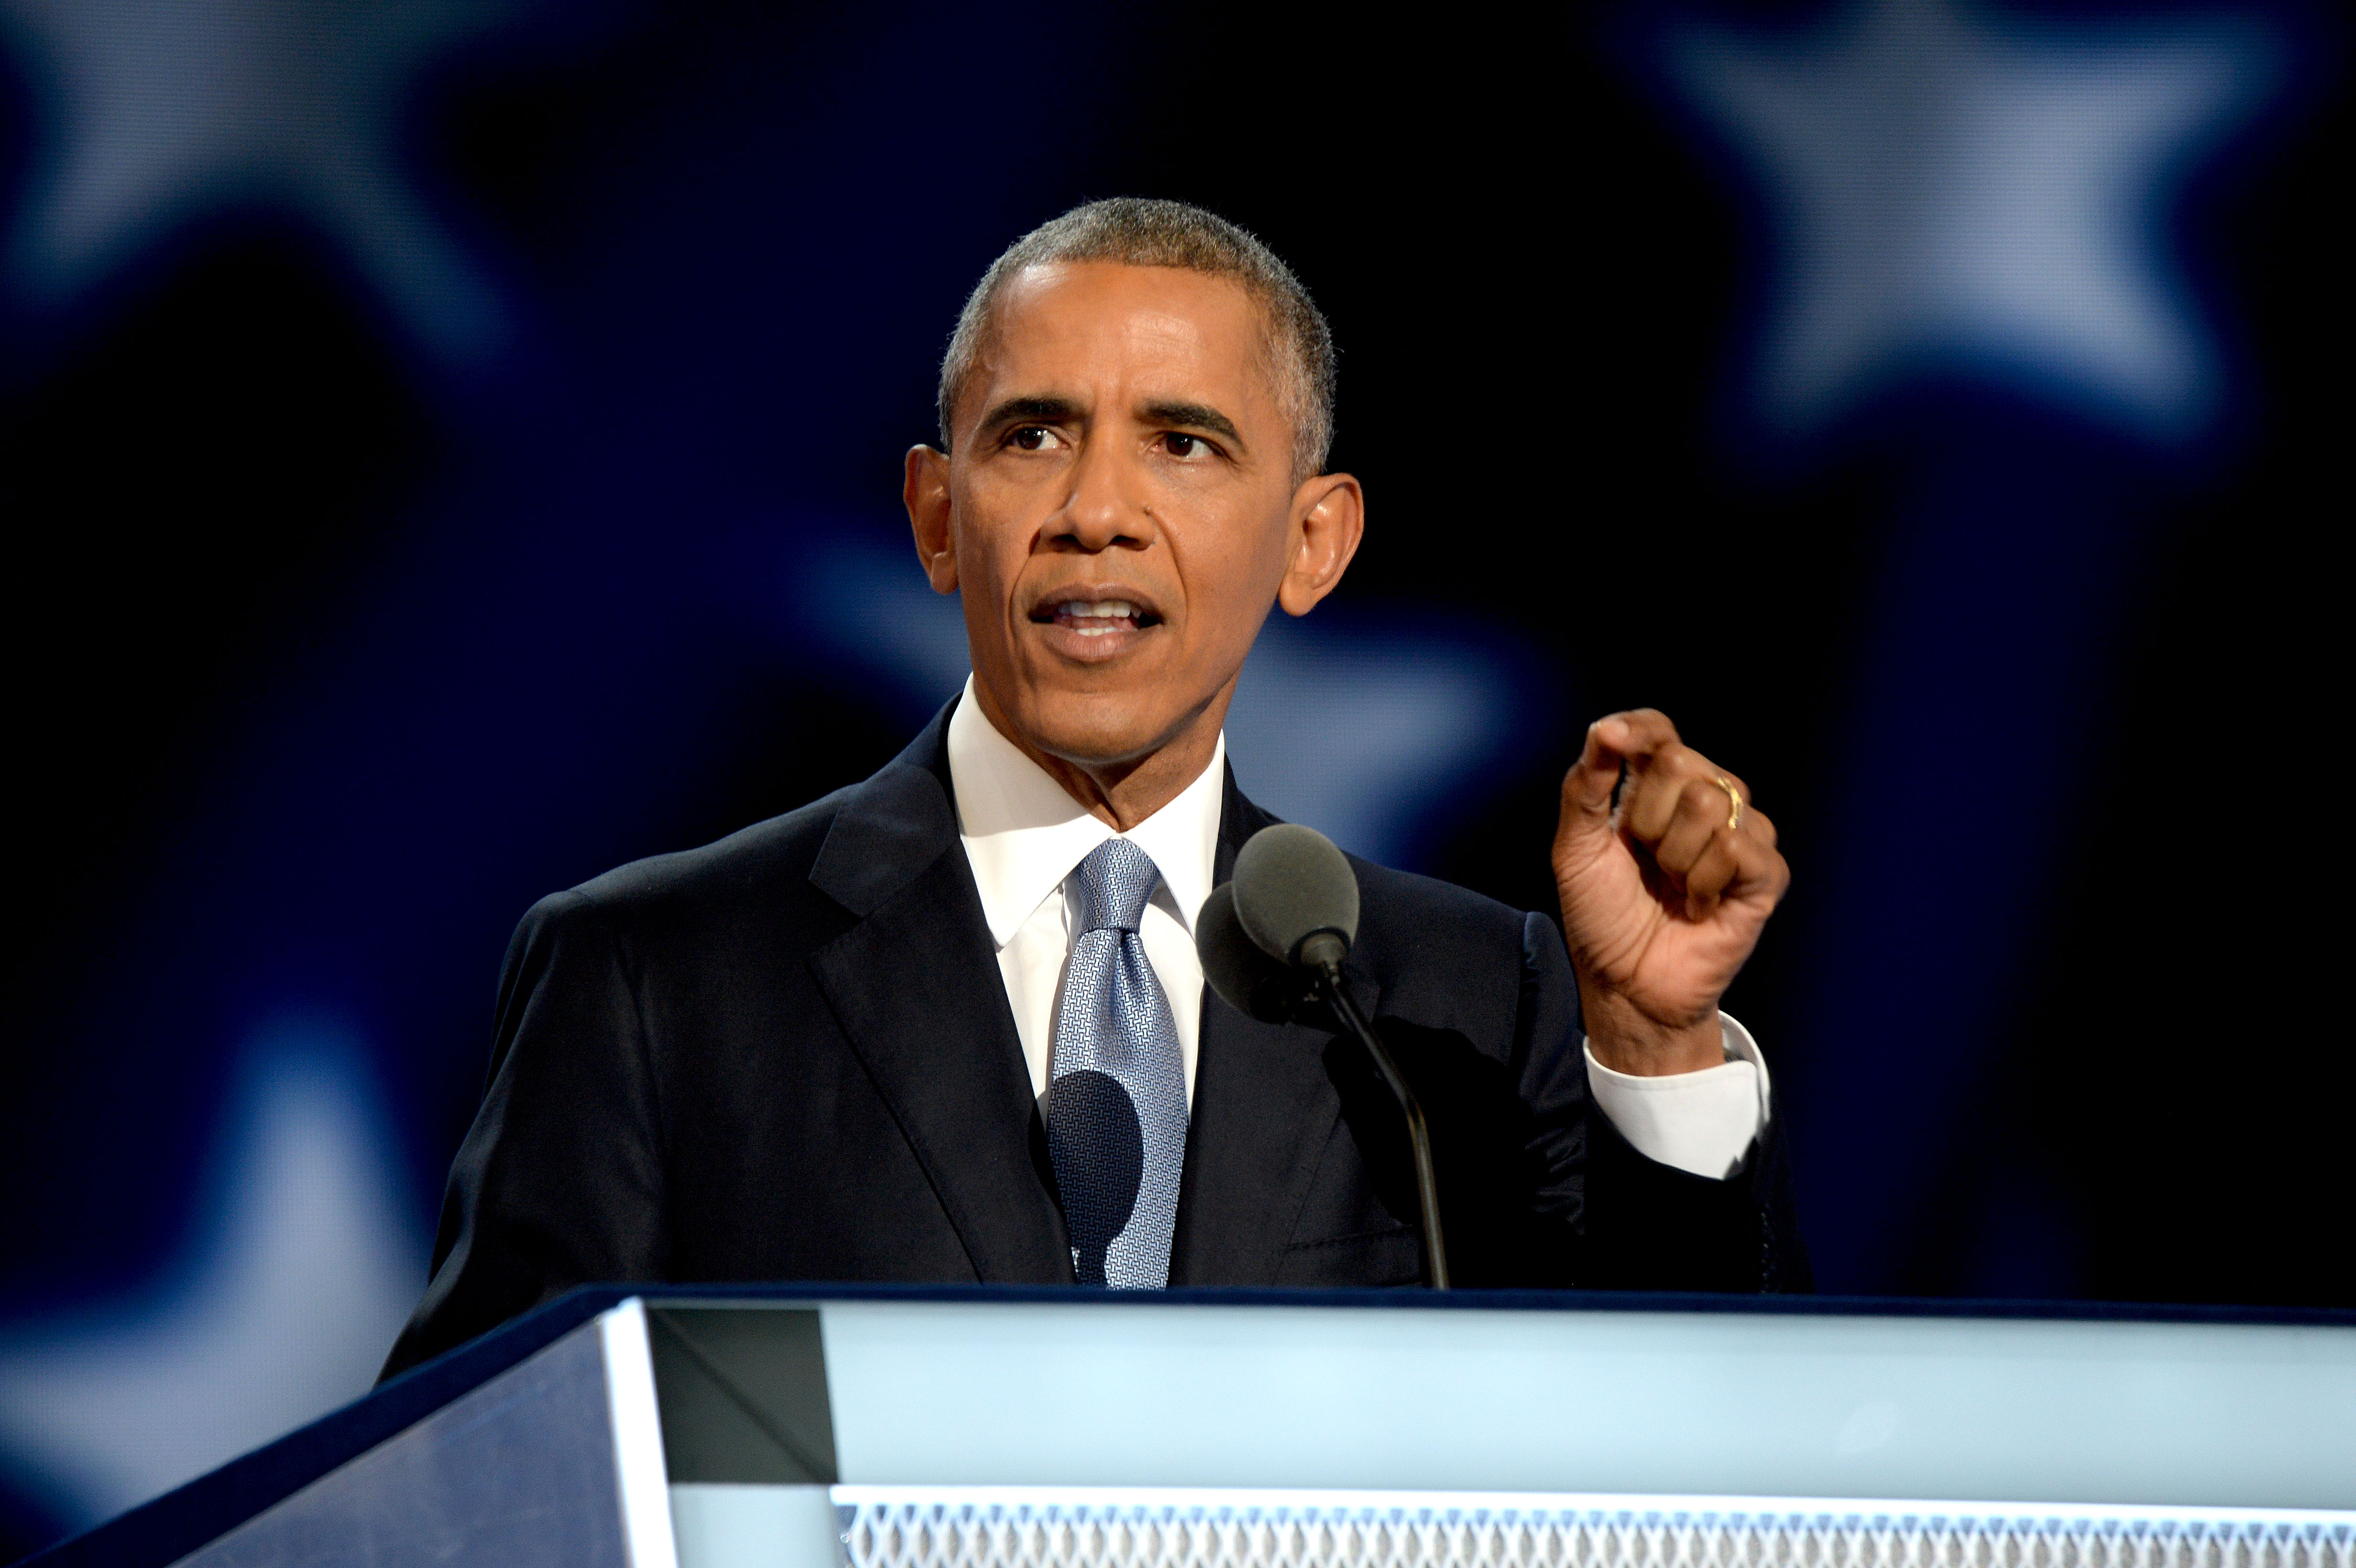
(1102, 510)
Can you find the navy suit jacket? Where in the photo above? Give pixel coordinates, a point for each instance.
(789, 1056)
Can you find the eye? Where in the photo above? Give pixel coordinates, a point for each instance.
(1178, 443)
(1031, 438)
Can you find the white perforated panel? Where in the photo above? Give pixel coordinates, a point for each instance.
(940, 1527)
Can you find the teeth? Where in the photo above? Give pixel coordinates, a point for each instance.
(1100, 610)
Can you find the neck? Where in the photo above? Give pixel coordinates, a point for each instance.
(1125, 792)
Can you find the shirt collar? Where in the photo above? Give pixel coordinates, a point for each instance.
(1023, 834)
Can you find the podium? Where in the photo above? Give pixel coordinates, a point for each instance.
(730, 1428)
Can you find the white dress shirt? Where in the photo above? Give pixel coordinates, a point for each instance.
(1024, 837)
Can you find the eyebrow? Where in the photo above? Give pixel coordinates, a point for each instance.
(1200, 416)
(1053, 409)
(1045, 411)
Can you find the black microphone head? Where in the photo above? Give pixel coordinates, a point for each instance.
(1242, 976)
(1292, 884)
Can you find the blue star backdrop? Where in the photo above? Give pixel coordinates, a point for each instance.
(449, 449)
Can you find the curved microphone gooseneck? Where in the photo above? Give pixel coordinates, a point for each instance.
(1290, 915)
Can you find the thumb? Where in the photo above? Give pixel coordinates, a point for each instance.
(1586, 788)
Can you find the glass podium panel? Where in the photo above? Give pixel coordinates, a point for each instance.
(840, 1427)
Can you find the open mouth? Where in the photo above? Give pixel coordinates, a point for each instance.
(1095, 617)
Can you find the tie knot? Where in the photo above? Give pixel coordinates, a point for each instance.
(1113, 884)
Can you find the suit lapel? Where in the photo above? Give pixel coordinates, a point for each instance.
(1264, 1113)
(916, 992)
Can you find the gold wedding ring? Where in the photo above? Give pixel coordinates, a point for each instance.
(1733, 802)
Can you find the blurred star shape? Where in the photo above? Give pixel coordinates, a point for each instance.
(153, 112)
(282, 1308)
(1949, 190)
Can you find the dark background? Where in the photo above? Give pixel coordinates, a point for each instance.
(371, 576)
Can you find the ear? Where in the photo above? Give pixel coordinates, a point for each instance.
(1329, 520)
(926, 492)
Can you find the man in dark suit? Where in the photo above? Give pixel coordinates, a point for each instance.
(790, 1055)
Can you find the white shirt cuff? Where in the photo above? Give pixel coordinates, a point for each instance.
(1702, 1122)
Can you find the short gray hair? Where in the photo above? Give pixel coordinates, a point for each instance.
(1137, 232)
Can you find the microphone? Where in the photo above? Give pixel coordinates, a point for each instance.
(1275, 937)
(1245, 978)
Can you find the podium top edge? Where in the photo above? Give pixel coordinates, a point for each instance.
(588, 1300)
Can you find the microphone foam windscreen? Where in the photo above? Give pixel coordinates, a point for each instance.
(1238, 973)
(1291, 882)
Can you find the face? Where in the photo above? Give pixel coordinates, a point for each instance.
(1120, 511)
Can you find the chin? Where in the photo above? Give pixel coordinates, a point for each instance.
(1101, 730)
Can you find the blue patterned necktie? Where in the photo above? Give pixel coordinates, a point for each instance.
(1116, 1108)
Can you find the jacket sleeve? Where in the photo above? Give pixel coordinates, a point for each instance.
(560, 1180)
(1640, 1225)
